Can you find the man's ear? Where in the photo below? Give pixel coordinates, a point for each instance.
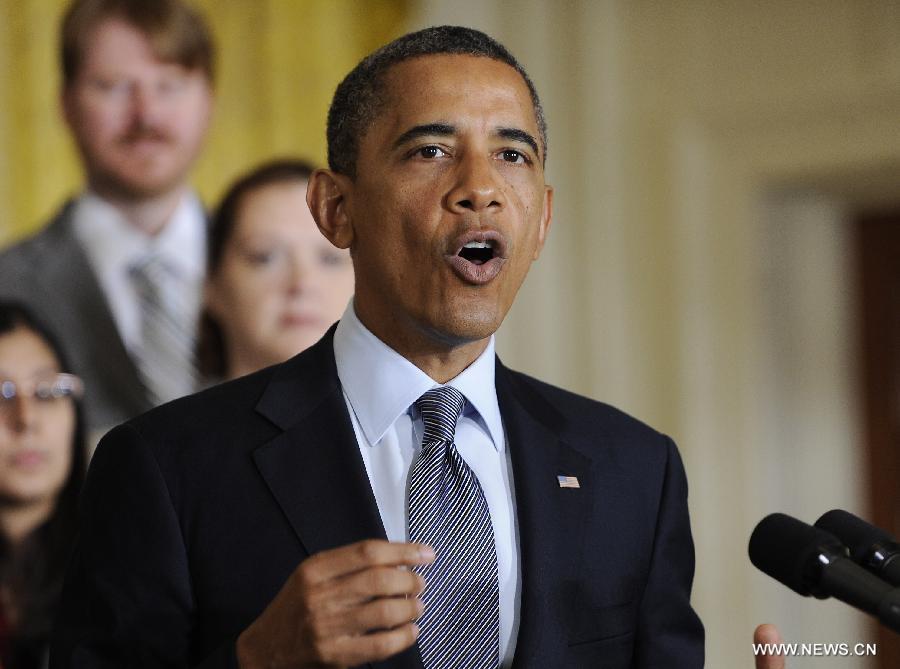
(546, 221)
(326, 197)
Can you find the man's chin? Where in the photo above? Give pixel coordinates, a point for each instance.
(137, 187)
(466, 327)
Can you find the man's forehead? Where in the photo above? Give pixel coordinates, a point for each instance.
(119, 35)
(414, 89)
(451, 67)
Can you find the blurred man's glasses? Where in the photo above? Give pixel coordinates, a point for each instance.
(46, 391)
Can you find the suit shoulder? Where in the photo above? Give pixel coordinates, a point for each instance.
(220, 413)
(19, 268)
(243, 413)
(582, 415)
(21, 253)
(27, 256)
(54, 232)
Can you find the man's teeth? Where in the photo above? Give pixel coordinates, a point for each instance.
(478, 245)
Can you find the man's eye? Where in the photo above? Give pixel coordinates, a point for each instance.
(513, 156)
(431, 152)
(112, 86)
(172, 85)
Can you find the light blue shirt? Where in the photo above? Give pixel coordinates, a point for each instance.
(380, 387)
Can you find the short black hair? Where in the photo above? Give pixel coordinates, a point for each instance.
(358, 98)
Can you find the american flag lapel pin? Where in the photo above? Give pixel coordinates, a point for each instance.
(568, 481)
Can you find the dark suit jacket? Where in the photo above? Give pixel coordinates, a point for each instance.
(50, 273)
(195, 513)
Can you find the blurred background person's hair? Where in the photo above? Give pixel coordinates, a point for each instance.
(274, 284)
(176, 33)
(42, 464)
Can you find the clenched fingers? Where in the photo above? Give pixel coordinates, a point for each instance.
(362, 555)
(385, 614)
(380, 582)
(353, 650)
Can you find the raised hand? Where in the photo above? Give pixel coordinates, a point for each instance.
(342, 607)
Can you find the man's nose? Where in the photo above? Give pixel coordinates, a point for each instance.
(478, 186)
(147, 103)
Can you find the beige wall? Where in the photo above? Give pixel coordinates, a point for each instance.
(707, 157)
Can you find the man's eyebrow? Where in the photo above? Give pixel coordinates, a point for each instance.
(517, 135)
(428, 129)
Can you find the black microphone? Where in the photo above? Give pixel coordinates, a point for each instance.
(870, 546)
(811, 561)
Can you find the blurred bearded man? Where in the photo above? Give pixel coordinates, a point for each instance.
(118, 272)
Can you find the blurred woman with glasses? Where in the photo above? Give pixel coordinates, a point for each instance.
(42, 463)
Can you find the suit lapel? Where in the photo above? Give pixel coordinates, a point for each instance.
(66, 268)
(550, 520)
(314, 468)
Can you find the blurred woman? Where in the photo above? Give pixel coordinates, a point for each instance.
(274, 283)
(42, 463)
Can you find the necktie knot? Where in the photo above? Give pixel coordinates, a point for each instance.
(151, 271)
(440, 407)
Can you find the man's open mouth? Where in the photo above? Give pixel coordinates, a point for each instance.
(478, 252)
(479, 257)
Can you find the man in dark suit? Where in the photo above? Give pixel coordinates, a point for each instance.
(394, 496)
(137, 97)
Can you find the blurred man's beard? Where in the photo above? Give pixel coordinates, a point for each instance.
(116, 186)
(144, 133)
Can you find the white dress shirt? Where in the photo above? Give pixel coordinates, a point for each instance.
(380, 388)
(113, 245)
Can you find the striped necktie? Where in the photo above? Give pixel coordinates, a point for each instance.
(165, 356)
(447, 510)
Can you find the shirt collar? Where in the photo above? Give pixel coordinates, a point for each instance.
(114, 244)
(381, 384)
